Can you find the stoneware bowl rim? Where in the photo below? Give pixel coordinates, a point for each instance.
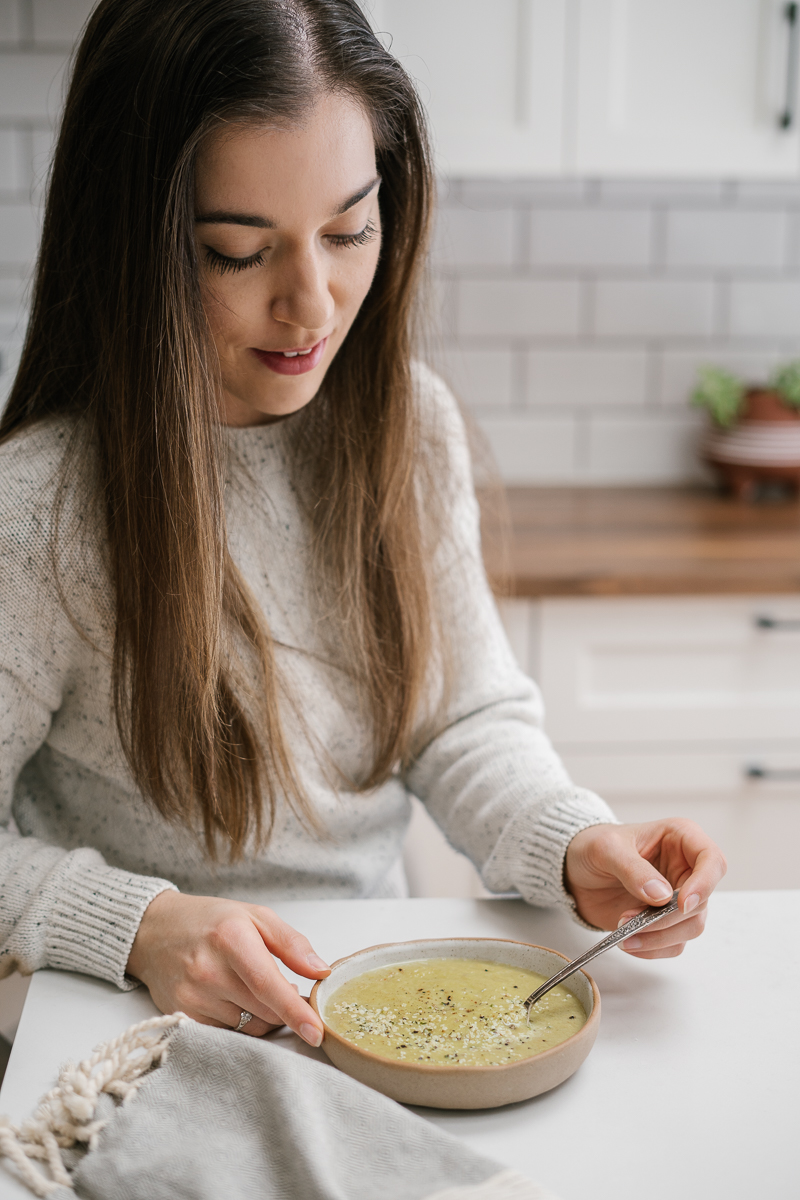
(585, 1030)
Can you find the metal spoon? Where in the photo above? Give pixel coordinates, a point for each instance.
(640, 921)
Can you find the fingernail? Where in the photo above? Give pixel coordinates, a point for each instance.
(657, 889)
(627, 917)
(691, 902)
(310, 1033)
(316, 963)
(631, 943)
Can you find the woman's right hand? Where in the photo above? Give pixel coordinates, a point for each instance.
(214, 959)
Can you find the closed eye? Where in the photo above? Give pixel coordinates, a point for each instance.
(223, 264)
(354, 239)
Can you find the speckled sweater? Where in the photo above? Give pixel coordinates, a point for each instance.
(89, 853)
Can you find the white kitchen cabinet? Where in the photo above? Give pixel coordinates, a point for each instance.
(686, 87)
(674, 670)
(491, 76)
(606, 87)
(662, 706)
(679, 706)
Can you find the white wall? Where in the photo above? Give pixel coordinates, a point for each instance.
(36, 37)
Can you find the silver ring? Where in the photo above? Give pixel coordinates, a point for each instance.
(244, 1019)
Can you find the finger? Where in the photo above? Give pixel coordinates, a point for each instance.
(288, 944)
(228, 1016)
(673, 918)
(638, 876)
(667, 952)
(250, 959)
(231, 1014)
(659, 938)
(218, 1000)
(708, 866)
(247, 1002)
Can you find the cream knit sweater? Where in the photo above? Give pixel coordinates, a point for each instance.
(91, 854)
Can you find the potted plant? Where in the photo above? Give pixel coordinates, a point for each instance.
(755, 436)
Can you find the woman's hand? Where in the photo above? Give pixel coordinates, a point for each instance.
(614, 871)
(213, 959)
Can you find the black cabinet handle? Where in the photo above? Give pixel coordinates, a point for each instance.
(757, 771)
(787, 118)
(789, 624)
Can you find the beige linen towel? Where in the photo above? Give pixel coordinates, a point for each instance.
(172, 1108)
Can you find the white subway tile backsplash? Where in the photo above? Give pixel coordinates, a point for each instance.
(654, 308)
(509, 308)
(679, 368)
(12, 166)
(532, 449)
(43, 143)
(588, 237)
(10, 350)
(661, 191)
(767, 308)
(9, 20)
(438, 309)
(650, 449)
(586, 377)
(481, 378)
(498, 193)
(772, 192)
(60, 20)
(467, 238)
(725, 238)
(19, 234)
(13, 298)
(31, 85)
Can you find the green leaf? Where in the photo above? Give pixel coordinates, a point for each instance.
(721, 393)
(786, 380)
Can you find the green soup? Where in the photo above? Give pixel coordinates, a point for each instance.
(452, 1010)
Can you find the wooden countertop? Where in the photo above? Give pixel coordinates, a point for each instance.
(640, 541)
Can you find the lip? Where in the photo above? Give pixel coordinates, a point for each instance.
(277, 361)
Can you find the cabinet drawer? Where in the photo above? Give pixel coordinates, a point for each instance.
(655, 671)
(752, 772)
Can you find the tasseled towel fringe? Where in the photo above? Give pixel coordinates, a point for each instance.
(66, 1117)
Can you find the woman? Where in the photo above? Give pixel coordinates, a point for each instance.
(243, 600)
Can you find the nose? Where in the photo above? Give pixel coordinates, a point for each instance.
(301, 295)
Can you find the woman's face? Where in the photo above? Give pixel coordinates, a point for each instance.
(288, 235)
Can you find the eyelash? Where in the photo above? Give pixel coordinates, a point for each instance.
(225, 265)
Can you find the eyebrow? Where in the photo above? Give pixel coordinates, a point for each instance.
(253, 221)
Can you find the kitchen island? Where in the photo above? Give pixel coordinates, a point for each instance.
(690, 1089)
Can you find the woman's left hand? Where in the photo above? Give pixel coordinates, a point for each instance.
(614, 871)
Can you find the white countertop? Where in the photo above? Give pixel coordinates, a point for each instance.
(690, 1090)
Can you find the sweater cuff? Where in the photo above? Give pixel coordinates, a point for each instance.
(530, 854)
(95, 919)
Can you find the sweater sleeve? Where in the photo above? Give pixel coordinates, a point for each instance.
(489, 776)
(59, 907)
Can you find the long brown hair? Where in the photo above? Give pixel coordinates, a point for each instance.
(118, 339)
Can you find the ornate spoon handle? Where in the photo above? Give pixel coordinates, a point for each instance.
(640, 921)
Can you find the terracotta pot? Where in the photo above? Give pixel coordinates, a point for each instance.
(763, 445)
(762, 404)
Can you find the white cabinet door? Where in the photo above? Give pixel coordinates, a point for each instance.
(678, 670)
(491, 75)
(682, 87)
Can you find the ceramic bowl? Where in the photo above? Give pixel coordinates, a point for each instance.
(440, 1085)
